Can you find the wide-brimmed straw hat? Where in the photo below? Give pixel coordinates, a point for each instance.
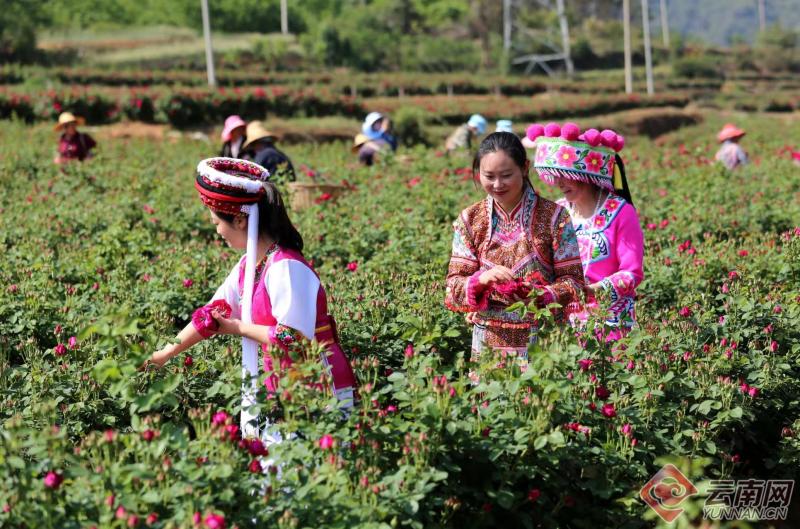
(256, 132)
(231, 123)
(66, 118)
(730, 132)
(358, 141)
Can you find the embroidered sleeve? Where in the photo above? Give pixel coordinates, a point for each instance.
(568, 282)
(464, 294)
(628, 244)
(292, 288)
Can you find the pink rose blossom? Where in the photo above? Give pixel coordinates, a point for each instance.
(409, 351)
(110, 499)
(753, 392)
(534, 494)
(352, 266)
(220, 418)
(585, 364)
(121, 513)
(53, 480)
(257, 448)
(133, 520)
(773, 346)
(743, 253)
(73, 342)
(627, 429)
(148, 435)
(151, 518)
(602, 392)
(214, 521)
(685, 312)
(255, 467)
(187, 283)
(12, 289)
(188, 361)
(608, 410)
(325, 442)
(60, 349)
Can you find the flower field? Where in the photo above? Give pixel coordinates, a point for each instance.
(103, 261)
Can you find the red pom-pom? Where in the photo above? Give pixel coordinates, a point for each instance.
(620, 143)
(534, 131)
(570, 131)
(552, 130)
(592, 137)
(608, 138)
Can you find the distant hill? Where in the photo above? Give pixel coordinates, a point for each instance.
(723, 21)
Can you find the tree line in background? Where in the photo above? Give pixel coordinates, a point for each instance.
(418, 35)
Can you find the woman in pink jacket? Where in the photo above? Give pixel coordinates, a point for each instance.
(588, 170)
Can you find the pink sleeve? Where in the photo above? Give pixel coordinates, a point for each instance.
(628, 244)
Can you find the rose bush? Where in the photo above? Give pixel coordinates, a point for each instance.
(103, 261)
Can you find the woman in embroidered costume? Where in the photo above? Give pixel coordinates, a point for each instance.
(590, 174)
(272, 296)
(507, 244)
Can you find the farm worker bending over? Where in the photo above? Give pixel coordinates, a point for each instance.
(507, 244)
(731, 154)
(588, 170)
(462, 137)
(233, 137)
(368, 149)
(260, 148)
(72, 145)
(272, 296)
(377, 127)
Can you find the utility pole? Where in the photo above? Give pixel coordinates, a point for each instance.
(664, 23)
(507, 25)
(626, 24)
(762, 15)
(284, 18)
(648, 59)
(562, 18)
(212, 80)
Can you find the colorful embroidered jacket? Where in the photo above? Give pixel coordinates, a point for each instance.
(537, 236)
(612, 252)
(289, 299)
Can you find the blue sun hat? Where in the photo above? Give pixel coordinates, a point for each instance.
(478, 122)
(504, 125)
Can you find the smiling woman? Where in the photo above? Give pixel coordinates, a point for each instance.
(507, 245)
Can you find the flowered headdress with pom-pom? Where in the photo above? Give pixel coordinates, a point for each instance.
(232, 186)
(565, 152)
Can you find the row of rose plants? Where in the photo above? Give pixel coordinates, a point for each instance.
(180, 108)
(185, 108)
(104, 261)
(363, 85)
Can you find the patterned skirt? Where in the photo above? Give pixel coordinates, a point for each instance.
(513, 341)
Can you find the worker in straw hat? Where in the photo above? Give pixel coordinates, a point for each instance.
(260, 148)
(730, 153)
(72, 145)
(368, 149)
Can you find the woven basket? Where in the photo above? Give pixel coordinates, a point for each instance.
(304, 194)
